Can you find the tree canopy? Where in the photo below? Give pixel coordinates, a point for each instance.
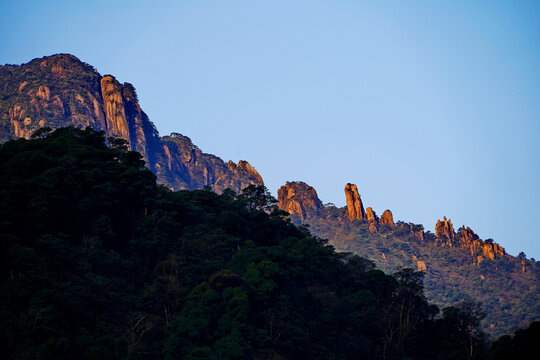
(99, 262)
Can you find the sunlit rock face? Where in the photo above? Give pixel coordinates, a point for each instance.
(185, 166)
(297, 198)
(60, 90)
(355, 208)
(372, 219)
(467, 239)
(387, 218)
(370, 215)
(444, 230)
(113, 103)
(470, 241)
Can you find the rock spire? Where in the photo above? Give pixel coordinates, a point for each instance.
(387, 218)
(444, 230)
(355, 209)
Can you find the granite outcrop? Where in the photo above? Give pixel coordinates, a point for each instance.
(355, 208)
(60, 90)
(299, 198)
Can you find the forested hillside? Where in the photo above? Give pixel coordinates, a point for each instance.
(99, 262)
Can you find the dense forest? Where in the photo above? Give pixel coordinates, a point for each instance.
(99, 262)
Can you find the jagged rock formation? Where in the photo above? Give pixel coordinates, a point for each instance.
(355, 208)
(421, 266)
(387, 218)
(60, 90)
(297, 197)
(185, 166)
(467, 239)
(444, 230)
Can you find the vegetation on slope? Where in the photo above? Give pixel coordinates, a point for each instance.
(97, 262)
(508, 288)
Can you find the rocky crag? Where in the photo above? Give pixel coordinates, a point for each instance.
(298, 198)
(60, 90)
(455, 265)
(467, 239)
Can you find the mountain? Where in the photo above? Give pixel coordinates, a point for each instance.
(457, 265)
(60, 90)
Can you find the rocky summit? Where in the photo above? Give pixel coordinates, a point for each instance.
(60, 90)
(297, 197)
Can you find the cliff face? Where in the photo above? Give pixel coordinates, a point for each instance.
(115, 114)
(60, 90)
(355, 208)
(297, 198)
(184, 166)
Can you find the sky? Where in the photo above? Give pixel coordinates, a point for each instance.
(431, 107)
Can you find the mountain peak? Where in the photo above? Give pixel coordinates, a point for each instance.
(60, 90)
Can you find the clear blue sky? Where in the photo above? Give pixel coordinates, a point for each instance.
(431, 107)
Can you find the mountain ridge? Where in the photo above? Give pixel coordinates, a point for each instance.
(457, 265)
(60, 90)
